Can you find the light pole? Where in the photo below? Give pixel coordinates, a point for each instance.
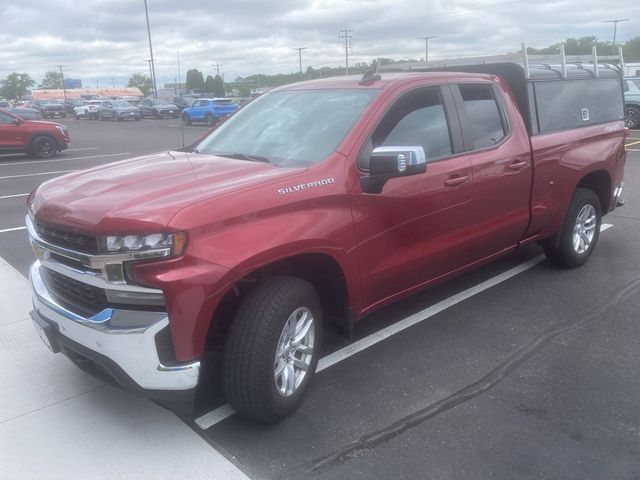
(151, 64)
(64, 90)
(299, 49)
(615, 22)
(426, 39)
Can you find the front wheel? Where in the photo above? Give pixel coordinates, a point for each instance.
(210, 120)
(580, 231)
(44, 147)
(272, 349)
(186, 119)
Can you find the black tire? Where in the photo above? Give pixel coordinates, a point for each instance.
(249, 375)
(632, 116)
(565, 253)
(116, 117)
(210, 120)
(44, 146)
(77, 117)
(157, 115)
(100, 116)
(186, 119)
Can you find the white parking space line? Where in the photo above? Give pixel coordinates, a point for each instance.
(14, 196)
(12, 229)
(219, 414)
(36, 174)
(80, 427)
(80, 149)
(32, 162)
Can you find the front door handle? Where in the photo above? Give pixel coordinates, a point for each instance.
(517, 165)
(455, 181)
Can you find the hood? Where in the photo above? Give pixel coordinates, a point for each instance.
(41, 122)
(144, 193)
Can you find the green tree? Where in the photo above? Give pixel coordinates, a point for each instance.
(51, 80)
(195, 79)
(142, 82)
(631, 50)
(218, 87)
(15, 85)
(209, 84)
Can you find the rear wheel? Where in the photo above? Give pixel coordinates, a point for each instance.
(272, 349)
(632, 117)
(186, 119)
(580, 231)
(44, 146)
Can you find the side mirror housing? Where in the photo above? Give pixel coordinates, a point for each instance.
(16, 121)
(391, 162)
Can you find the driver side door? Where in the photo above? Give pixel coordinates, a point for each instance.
(415, 231)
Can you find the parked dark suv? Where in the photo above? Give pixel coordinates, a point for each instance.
(158, 108)
(52, 109)
(39, 139)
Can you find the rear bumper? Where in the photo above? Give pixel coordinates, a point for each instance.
(126, 356)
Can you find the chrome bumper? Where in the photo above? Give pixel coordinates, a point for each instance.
(618, 201)
(132, 349)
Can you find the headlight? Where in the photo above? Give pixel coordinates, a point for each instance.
(62, 130)
(155, 244)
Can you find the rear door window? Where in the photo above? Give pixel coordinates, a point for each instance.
(486, 125)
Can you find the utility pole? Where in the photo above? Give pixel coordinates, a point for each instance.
(113, 82)
(615, 22)
(217, 67)
(152, 65)
(64, 90)
(426, 39)
(179, 79)
(300, 55)
(151, 74)
(347, 46)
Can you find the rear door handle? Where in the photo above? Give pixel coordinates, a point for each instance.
(517, 165)
(455, 181)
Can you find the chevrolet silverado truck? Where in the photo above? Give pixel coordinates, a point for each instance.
(317, 202)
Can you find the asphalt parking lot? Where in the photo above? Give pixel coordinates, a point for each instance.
(516, 370)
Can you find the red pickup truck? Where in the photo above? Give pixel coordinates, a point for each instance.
(318, 202)
(33, 137)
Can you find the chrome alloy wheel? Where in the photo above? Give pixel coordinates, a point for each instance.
(294, 351)
(584, 229)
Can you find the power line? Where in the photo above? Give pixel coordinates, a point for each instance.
(426, 39)
(615, 22)
(300, 55)
(217, 67)
(347, 45)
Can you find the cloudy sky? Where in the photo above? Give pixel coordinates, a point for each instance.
(103, 42)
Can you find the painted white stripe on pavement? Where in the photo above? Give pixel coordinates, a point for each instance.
(32, 162)
(80, 149)
(36, 174)
(80, 427)
(12, 229)
(14, 196)
(215, 416)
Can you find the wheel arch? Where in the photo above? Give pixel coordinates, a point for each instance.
(319, 269)
(37, 135)
(600, 182)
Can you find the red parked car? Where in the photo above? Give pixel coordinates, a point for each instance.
(317, 202)
(35, 138)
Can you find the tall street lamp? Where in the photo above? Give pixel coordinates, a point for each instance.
(152, 65)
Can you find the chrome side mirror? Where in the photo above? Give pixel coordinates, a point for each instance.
(391, 162)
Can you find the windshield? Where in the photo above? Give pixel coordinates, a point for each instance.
(289, 128)
(161, 101)
(121, 103)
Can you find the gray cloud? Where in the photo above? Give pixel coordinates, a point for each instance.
(104, 41)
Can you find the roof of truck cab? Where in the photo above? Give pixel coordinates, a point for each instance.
(353, 81)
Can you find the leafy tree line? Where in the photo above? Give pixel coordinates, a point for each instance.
(16, 85)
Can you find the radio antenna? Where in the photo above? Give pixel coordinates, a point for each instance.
(180, 94)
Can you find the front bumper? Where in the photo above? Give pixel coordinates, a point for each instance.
(129, 356)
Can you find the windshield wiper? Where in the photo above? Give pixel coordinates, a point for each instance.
(243, 156)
